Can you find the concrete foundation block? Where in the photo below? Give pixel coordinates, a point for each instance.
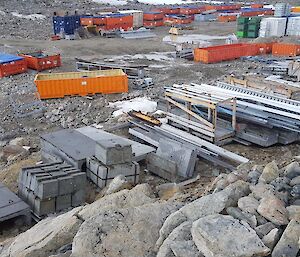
(113, 151)
(78, 197)
(65, 185)
(44, 207)
(79, 181)
(63, 202)
(47, 189)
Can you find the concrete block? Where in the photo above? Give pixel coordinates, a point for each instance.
(36, 179)
(161, 167)
(47, 189)
(30, 199)
(65, 185)
(63, 202)
(79, 180)
(113, 151)
(44, 207)
(78, 198)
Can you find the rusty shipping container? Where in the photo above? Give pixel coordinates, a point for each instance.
(283, 49)
(59, 85)
(40, 61)
(11, 65)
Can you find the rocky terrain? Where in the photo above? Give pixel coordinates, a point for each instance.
(253, 211)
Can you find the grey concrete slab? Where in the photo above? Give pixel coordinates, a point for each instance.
(65, 185)
(47, 189)
(184, 157)
(78, 198)
(11, 205)
(44, 207)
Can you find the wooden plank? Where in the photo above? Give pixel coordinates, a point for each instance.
(196, 116)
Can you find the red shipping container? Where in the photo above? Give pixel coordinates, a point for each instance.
(150, 24)
(99, 21)
(283, 49)
(257, 5)
(152, 16)
(265, 48)
(39, 61)
(86, 21)
(119, 19)
(124, 26)
(221, 53)
(11, 65)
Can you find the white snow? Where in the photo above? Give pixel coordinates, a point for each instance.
(30, 16)
(142, 104)
(111, 2)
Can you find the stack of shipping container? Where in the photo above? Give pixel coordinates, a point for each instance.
(153, 19)
(248, 27)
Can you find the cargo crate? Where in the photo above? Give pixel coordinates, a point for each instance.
(11, 65)
(242, 20)
(152, 16)
(254, 20)
(253, 27)
(40, 61)
(242, 27)
(66, 24)
(59, 85)
(150, 24)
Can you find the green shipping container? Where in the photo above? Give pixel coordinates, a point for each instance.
(253, 27)
(242, 20)
(254, 20)
(241, 34)
(252, 34)
(242, 27)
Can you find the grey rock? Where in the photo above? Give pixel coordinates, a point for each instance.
(273, 209)
(219, 236)
(264, 229)
(288, 244)
(248, 204)
(117, 184)
(238, 214)
(295, 181)
(281, 183)
(295, 192)
(260, 219)
(294, 212)
(292, 170)
(124, 232)
(206, 205)
(139, 195)
(271, 239)
(253, 176)
(269, 173)
(46, 236)
(261, 190)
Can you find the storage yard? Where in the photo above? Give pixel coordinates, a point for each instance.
(139, 128)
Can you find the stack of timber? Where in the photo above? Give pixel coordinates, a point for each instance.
(261, 118)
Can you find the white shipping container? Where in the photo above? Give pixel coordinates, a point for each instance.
(272, 27)
(138, 17)
(293, 26)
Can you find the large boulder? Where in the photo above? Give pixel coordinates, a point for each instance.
(222, 236)
(46, 237)
(206, 205)
(124, 232)
(273, 209)
(288, 244)
(139, 195)
(261, 190)
(179, 243)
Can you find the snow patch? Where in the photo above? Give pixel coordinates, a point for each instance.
(111, 2)
(29, 17)
(142, 104)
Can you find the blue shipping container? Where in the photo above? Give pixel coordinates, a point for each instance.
(7, 58)
(66, 24)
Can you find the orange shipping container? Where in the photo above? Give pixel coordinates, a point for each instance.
(265, 48)
(86, 21)
(39, 61)
(295, 9)
(149, 24)
(227, 18)
(214, 54)
(256, 6)
(283, 49)
(58, 85)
